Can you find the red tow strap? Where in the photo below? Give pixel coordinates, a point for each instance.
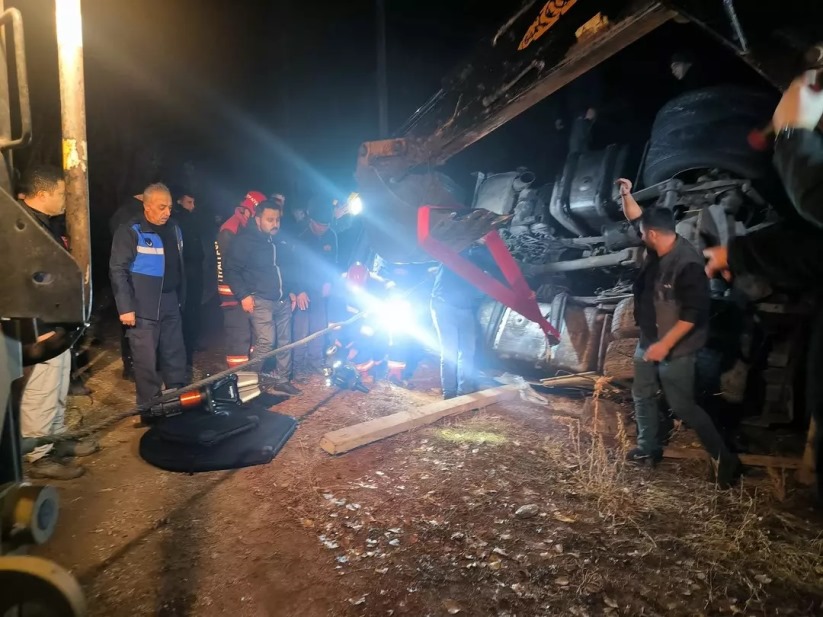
(518, 296)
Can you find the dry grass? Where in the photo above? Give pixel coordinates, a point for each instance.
(738, 533)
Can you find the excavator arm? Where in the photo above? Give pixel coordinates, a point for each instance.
(542, 47)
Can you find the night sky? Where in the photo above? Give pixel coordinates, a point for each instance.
(256, 94)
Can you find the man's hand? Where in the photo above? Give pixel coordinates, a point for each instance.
(657, 352)
(326, 290)
(248, 304)
(801, 106)
(128, 319)
(625, 186)
(718, 257)
(302, 301)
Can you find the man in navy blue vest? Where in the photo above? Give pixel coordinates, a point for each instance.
(148, 280)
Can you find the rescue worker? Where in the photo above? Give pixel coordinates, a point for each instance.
(149, 283)
(454, 302)
(316, 260)
(46, 385)
(236, 323)
(365, 343)
(129, 209)
(790, 255)
(254, 273)
(671, 307)
(194, 256)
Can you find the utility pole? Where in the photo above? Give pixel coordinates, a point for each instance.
(382, 77)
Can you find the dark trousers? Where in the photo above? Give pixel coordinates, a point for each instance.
(271, 324)
(125, 350)
(456, 332)
(814, 391)
(191, 315)
(676, 378)
(160, 342)
(237, 330)
(307, 322)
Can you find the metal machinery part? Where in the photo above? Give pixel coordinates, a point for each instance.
(45, 283)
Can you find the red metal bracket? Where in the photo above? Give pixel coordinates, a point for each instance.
(518, 296)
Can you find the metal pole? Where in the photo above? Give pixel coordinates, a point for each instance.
(5, 114)
(382, 78)
(73, 117)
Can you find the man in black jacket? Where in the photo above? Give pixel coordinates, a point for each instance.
(671, 307)
(149, 284)
(790, 256)
(254, 273)
(194, 256)
(316, 257)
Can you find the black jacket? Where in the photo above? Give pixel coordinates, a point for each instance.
(787, 255)
(315, 260)
(452, 289)
(137, 266)
(259, 265)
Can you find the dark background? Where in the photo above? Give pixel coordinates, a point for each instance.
(276, 96)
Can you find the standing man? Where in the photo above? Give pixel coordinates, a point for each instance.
(316, 260)
(148, 280)
(43, 404)
(236, 323)
(454, 302)
(194, 256)
(790, 257)
(254, 274)
(671, 306)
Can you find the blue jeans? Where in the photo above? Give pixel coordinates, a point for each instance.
(456, 332)
(676, 378)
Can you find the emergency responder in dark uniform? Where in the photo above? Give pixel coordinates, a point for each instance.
(790, 255)
(454, 303)
(194, 256)
(365, 343)
(316, 261)
(148, 279)
(254, 271)
(236, 324)
(131, 208)
(671, 307)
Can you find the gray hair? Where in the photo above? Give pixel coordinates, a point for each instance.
(157, 187)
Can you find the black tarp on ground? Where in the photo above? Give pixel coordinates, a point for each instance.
(198, 441)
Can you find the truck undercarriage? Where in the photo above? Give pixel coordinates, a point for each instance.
(567, 232)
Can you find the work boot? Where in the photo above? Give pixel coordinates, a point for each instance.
(78, 388)
(284, 387)
(642, 457)
(73, 448)
(51, 468)
(727, 474)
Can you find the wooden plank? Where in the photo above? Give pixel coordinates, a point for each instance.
(345, 439)
(807, 471)
(752, 460)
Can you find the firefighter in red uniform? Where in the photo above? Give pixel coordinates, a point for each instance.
(236, 323)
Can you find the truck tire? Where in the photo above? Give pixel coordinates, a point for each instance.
(623, 325)
(706, 129)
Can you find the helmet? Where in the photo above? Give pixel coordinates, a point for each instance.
(357, 275)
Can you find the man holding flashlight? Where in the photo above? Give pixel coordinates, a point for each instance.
(671, 307)
(790, 256)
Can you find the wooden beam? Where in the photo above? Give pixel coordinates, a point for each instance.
(807, 471)
(345, 439)
(752, 460)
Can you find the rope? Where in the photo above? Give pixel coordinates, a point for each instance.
(167, 396)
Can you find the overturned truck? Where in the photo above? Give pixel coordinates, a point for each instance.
(567, 232)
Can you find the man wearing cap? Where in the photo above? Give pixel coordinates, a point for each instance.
(671, 307)
(316, 263)
(236, 322)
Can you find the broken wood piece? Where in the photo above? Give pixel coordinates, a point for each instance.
(807, 471)
(345, 439)
(752, 460)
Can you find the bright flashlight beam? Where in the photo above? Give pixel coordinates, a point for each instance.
(69, 25)
(356, 205)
